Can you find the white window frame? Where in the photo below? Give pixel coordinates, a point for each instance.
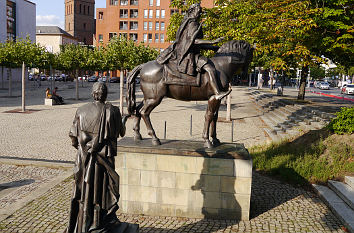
(145, 37)
(157, 2)
(162, 26)
(151, 14)
(157, 14)
(163, 14)
(146, 13)
(162, 38)
(157, 26)
(145, 25)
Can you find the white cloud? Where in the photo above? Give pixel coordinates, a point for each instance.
(49, 20)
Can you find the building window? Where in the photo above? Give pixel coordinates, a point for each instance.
(146, 13)
(157, 14)
(84, 26)
(145, 26)
(84, 9)
(162, 26)
(123, 25)
(150, 26)
(145, 37)
(100, 38)
(134, 2)
(114, 2)
(80, 9)
(133, 25)
(162, 38)
(157, 2)
(88, 10)
(134, 13)
(123, 35)
(112, 34)
(162, 14)
(157, 26)
(69, 26)
(173, 11)
(123, 13)
(100, 15)
(151, 13)
(133, 36)
(151, 2)
(156, 38)
(150, 38)
(124, 2)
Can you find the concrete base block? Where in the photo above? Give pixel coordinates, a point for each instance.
(181, 178)
(49, 102)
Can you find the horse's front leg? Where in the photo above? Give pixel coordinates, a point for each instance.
(213, 105)
(215, 140)
(149, 105)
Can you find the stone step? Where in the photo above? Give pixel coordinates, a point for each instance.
(273, 127)
(349, 180)
(337, 205)
(344, 191)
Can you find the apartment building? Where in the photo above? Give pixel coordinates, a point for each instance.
(140, 20)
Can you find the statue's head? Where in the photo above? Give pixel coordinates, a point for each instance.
(99, 91)
(194, 10)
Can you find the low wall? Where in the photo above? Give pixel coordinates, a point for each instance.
(181, 178)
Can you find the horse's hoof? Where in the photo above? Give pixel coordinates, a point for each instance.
(208, 144)
(156, 142)
(138, 137)
(216, 142)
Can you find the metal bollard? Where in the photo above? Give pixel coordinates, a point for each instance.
(164, 133)
(190, 129)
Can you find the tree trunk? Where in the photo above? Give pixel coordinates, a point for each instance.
(121, 92)
(23, 88)
(271, 78)
(10, 82)
(2, 77)
(77, 84)
(304, 73)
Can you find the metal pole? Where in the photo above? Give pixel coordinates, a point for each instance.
(190, 129)
(228, 108)
(10, 82)
(77, 85)
(232, 131)
(164, 132)
(51, 75)
(23, 87)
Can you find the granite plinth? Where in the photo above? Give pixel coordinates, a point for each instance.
(182, 178)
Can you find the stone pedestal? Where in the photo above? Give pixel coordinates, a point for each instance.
(49, 102)
(181, 178)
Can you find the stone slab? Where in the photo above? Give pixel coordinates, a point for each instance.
(344, 191)
(49, 102)
(349, 180)
(337, 205)
(184, 148)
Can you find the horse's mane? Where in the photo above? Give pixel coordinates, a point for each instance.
(236, 48)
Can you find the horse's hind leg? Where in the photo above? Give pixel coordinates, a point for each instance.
(213, 105)
(215, 140)
(137, 118)
(149, 105)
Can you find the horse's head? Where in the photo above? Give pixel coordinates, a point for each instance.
(240, 52)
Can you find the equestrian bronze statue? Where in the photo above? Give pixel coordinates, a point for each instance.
(181, 72)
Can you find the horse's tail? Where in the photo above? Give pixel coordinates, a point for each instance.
(131, 98)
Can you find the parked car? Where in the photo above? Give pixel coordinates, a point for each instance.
(82, 78)
(324, 85)
(103, 79)
(43, 77)
(30, 77)
(114, 80)
(58, 78)
(50, 78)
(92, 79)
(347, 89)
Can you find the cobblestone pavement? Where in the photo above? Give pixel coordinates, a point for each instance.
(16, 182)
(275, 207)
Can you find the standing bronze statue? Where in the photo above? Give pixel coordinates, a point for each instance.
(94, 134)
(181, 73)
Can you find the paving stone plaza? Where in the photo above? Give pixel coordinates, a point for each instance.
(36, 165)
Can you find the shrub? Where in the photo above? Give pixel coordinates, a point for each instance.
(344, 122)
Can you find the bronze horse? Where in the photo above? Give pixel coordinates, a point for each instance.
(231, 58)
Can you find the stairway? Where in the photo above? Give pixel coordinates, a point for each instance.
(285, 118)
(339, 197)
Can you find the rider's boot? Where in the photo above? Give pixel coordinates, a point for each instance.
(214, 85)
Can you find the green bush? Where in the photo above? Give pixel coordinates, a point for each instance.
(344, 122)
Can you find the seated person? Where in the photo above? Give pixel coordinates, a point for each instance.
(48, 95)
(58, 98)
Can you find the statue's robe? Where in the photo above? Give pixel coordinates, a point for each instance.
(94, 133)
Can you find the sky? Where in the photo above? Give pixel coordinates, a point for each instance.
(51, 12)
